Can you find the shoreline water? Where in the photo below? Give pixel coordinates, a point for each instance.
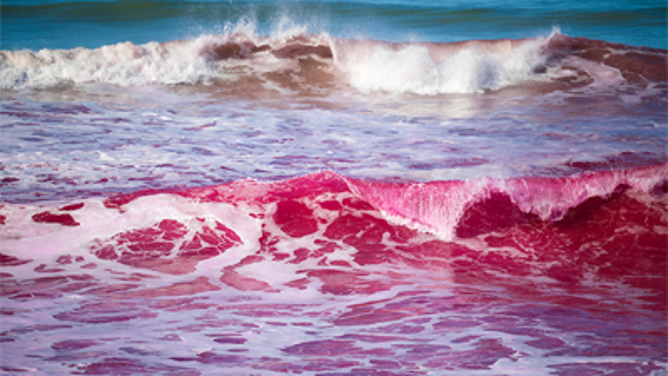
(373, 188)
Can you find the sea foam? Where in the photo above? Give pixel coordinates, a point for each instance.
(238, 54)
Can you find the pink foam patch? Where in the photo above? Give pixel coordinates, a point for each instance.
(63, 219)
(493, 213)
(106, 312)
(295, 219)
(74, 344)
(153, 247)
(7, 260)
(72, 207)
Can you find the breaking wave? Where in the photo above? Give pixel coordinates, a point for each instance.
(242, 62)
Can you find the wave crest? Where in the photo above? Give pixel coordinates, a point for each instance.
(432, 68)
(295, 62)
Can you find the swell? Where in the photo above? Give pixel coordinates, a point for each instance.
(240, 63)
(636, 65)
(469, 208)
(611, 223)
(448, 209)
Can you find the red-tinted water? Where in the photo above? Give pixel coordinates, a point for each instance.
(311, 276)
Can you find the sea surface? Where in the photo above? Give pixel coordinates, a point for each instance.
(333, 187)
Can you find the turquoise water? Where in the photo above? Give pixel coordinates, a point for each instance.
(62, 24)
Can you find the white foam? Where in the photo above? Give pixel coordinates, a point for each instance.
(23, 238)
(127, 65)
(122, 64)
(431, 69)
(368, 66)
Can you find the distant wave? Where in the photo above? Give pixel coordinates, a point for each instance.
(300, 63)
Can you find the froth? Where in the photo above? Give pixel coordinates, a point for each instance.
(122, 64)
(126, 64)
(291, 60)
(430, 69)
(366, 65)
(438, 207)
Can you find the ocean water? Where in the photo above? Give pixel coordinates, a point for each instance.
(333, 188)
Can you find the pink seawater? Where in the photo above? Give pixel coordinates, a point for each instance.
(308, 276)
(266, 206)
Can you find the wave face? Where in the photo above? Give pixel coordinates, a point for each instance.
(336, 268)
(244, 64)
(305, 62)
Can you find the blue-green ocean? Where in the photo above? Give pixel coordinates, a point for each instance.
(67, 24)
